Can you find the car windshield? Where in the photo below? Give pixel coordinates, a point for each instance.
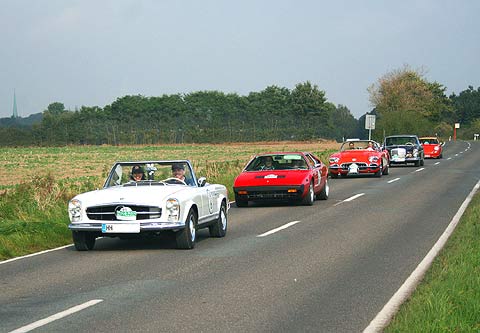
(400, 141)
(428, 141)
(277, 162)
(150, 173)
(358, 144)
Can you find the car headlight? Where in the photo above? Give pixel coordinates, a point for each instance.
(173, 210)
(415, 152)
(373, 159)
(334, 159)
(75, 210)
(436, 148)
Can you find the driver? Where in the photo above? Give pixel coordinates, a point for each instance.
(178, 171)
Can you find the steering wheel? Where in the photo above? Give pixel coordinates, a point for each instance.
(173, 180)
(408, 144)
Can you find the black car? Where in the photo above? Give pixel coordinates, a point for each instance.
(404, 149)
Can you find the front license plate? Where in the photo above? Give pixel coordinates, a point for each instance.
(124, 228)
(353, 168)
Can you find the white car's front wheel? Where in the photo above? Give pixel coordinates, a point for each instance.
(186, 237)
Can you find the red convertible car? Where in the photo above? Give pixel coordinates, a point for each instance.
(432, 148)
(282, 176)
(359, 157)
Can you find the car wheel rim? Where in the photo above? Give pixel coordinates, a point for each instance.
(224, 219)
(191, 226)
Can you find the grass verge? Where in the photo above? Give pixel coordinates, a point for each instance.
(448, 299)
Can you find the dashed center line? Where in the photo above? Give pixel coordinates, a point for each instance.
(419, 169)
(57, 316)
(437, 163)
(285, 226)
(350, 199)
(393, 180)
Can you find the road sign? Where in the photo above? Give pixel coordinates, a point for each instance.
(370, 121)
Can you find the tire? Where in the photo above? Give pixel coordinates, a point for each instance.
(333, 175)
(417, 163)
(386, 170)
(219, 228)
(83, 241)
(310, 196)
(186, 237)
(378, 174)
(323, 195)
(422, 162)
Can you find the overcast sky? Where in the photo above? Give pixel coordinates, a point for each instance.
(91, 52)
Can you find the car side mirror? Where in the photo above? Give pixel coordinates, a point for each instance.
(202, 181)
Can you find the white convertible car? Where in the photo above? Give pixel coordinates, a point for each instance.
(144, 198)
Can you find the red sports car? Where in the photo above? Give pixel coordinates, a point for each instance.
(283, 176)
(432, 148)
(359, 157)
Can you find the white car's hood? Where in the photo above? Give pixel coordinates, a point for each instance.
(144, 195)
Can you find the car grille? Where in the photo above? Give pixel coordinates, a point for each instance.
(272, 195)
(107, 213)
(361, 165)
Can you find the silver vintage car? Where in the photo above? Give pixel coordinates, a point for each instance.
(148, 197)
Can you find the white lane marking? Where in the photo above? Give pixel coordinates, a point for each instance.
(285, 226)
(35, 254)
(57, 316)
(382, 319)
(419, 169)
(350, 199)
(393, 180)
(354, 197)
(449, 158)
(461, 152)
(456, 154)
(437, 163)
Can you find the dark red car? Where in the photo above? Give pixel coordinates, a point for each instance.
(282, 176)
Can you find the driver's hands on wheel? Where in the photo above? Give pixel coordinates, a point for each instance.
(173, 180)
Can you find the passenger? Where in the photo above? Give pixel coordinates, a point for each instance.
(137, 173)
(370, 145)
(351, 145)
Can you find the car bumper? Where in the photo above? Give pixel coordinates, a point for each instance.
(268, 193)
(433, 155)
(405, 160)
(339, 170)
(144, 226)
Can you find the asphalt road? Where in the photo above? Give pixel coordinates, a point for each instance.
(331, 271)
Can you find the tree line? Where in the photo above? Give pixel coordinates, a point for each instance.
(402, 100)
(275, 113)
